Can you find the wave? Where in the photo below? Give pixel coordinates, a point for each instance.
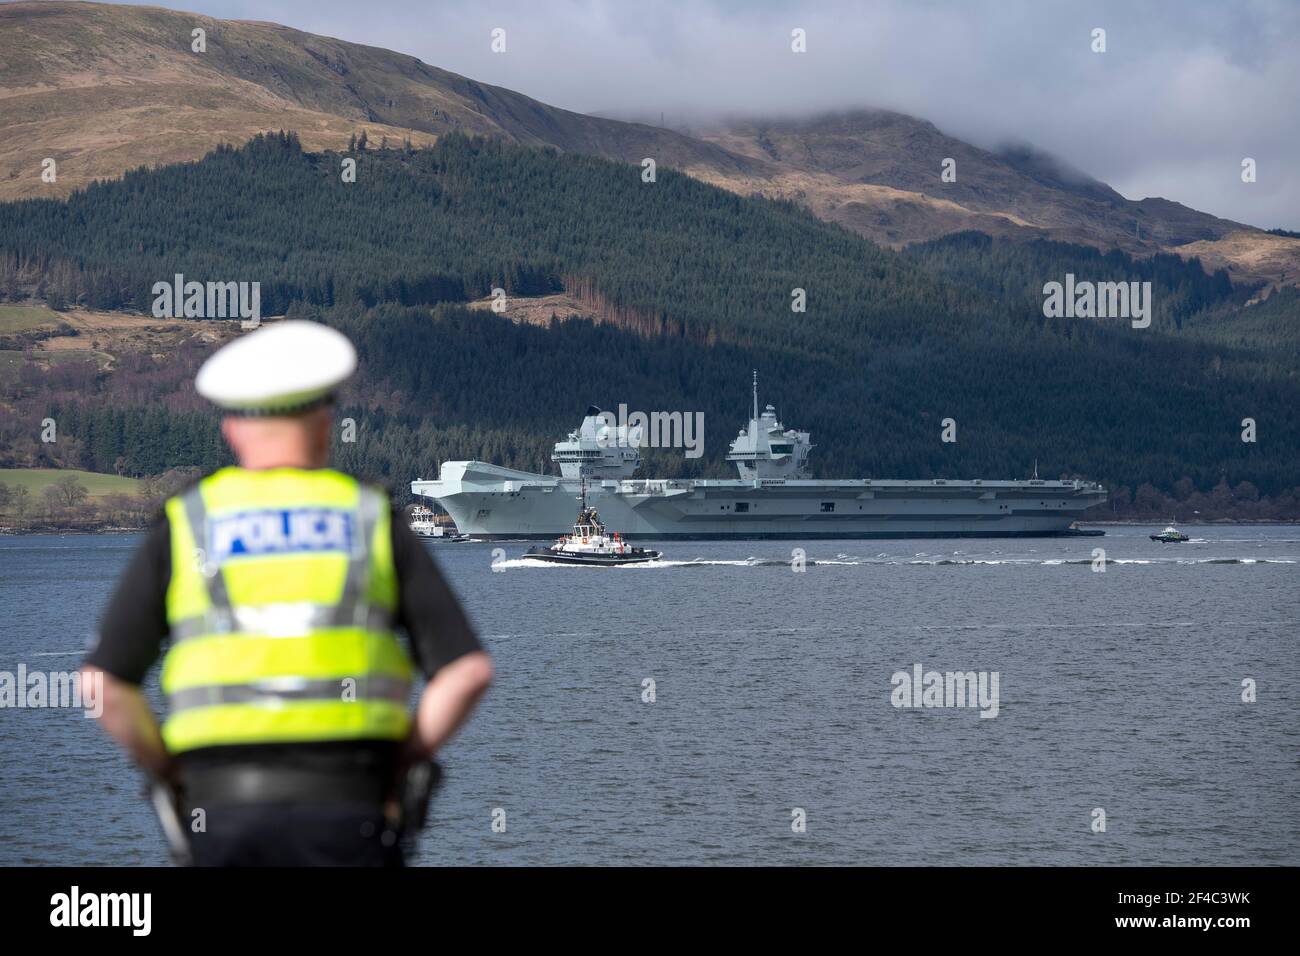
(847, 561)
(1049, 562)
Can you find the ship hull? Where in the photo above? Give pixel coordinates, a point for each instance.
(590, 560)
(489, 502)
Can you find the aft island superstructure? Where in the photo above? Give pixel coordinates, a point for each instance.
(772, 498)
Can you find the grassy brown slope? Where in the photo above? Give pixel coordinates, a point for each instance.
(901, 152)
(878, 172)
(104, 88)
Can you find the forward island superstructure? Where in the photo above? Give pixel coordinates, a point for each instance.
(772, 498)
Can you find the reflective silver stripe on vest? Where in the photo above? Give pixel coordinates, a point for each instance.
(219, 616)
(288, 690)
(352, 610)
(319, 618)
(353, 606)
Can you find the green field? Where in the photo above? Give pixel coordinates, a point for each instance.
(67, 356)
(23, 318)
(12, 361)
(98, 485)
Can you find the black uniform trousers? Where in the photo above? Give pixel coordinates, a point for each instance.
(295, 834)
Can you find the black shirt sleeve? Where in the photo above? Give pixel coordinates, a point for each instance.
(134, 627)
(427, 609)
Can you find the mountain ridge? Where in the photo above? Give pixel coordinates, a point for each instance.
(106, 88)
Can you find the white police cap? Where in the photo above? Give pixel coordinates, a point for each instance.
(280, 369)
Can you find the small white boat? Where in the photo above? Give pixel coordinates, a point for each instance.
(425, 524)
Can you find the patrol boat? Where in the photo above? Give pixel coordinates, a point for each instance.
(773, 497)
(590, 544)
(1170, 535)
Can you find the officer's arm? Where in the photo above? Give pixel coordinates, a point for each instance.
(448, 700)
(129, 720)
(443, 641)
(131, 634)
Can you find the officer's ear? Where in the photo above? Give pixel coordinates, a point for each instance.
(321, 422)
(318, 428)
(242, 434)
(229, 426)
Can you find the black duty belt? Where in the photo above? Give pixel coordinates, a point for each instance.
(230, 784)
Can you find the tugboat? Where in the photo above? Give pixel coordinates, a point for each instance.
(590, 544)
(1170, 535)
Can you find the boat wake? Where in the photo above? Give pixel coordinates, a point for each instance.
(512, 564)
(848, 561)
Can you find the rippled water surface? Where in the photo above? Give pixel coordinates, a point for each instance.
(1119, 690)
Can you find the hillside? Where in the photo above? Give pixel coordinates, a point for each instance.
(106, 88)
(878, 173)
(1018, 190)
(693, 290)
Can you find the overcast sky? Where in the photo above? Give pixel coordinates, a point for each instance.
(1185, 90)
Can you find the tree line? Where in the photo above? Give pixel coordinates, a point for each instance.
(698, 283)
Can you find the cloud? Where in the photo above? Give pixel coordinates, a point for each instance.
(1185, 90)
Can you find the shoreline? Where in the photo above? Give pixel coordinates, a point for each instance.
(19, 532)
(1121, 522)
(1113, 523)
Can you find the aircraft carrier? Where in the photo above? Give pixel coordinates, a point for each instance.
(772, 498)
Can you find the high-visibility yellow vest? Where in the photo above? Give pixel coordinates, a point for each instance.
(280, 607)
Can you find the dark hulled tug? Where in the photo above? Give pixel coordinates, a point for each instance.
(590, 544)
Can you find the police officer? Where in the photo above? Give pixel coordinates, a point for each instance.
(279, 588)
